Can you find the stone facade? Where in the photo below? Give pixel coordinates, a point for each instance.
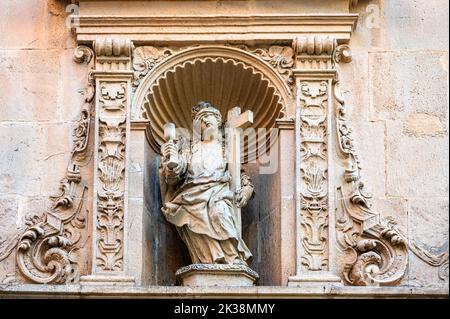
(84, 128)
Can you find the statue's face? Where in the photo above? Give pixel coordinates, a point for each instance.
(210, 127)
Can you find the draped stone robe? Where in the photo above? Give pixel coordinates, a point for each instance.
(199, 202)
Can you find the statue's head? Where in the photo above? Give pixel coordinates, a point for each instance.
(208, 119)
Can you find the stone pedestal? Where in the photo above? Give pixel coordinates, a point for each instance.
(216, 275)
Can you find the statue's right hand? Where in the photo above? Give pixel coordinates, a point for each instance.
(169, 149)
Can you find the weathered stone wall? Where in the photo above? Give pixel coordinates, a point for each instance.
(396, 89)
(41, 101)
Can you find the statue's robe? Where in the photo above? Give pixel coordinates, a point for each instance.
(199, 202)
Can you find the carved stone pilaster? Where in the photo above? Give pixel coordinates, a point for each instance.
(314, 73)
(375, 249)
(314, 174)
(113, 77)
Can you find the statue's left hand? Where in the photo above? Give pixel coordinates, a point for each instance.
(243, 195)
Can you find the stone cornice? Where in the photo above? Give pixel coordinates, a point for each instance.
(351, 3)
(121, 291)
(214, 28)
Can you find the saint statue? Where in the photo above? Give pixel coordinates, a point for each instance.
(198, 200)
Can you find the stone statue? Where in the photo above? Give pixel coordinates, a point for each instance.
(195, 185)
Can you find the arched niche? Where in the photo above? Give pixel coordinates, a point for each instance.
(226, 77)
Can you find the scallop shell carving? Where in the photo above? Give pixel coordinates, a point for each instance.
(225, 83)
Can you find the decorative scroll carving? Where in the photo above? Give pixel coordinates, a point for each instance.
(281, 58)
(146, 58)
(342, 53)
(81, 132)
(47, 251)
(111, 173)
(314, 186)
(377, 249)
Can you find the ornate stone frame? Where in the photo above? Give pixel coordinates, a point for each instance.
(377, 250)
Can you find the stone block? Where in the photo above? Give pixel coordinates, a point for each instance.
(9, 206)
(269, 249)
(58, 26)
(136, 164)
(370, 145)
(35, 158)
(55, 141)
(415, 24)
(398, 25)
(73, 83)
(135, 238)
(19, 174)
(30, 83)
(403, 82)
(428, 223)
(415, 167)
(22, 26)
(35, 24)
(353, 83)
(397, 208)
(368, 31)
(423, 124)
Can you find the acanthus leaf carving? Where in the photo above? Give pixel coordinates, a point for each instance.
(281, 58)
(47, 250)
(81, 132)
(145, 58)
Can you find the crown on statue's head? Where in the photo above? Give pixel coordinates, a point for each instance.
(204, 108)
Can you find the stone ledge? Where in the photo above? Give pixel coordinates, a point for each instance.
(214, 28)
(323, 291)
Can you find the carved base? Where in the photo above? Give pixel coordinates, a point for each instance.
(314, 280)
(223, 275)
